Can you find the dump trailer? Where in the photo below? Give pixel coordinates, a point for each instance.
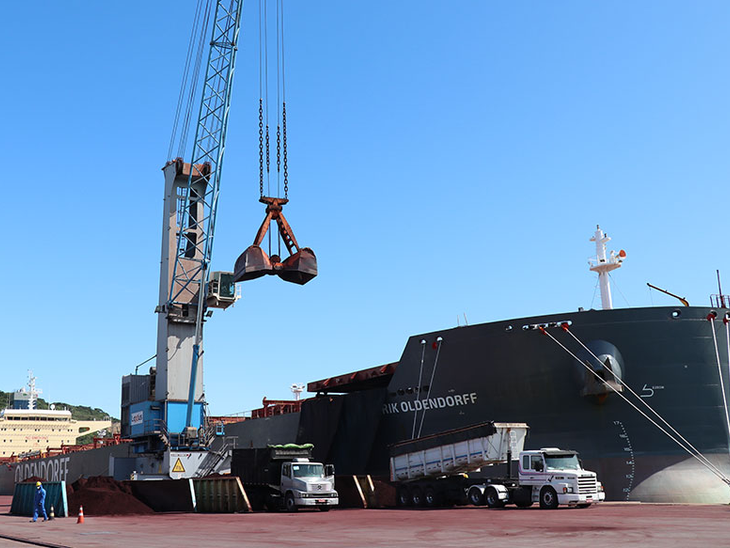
(462, 465)
(434, 470)
(284, 477)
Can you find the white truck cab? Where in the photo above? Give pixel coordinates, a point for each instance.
(307, 483)
(557, 477)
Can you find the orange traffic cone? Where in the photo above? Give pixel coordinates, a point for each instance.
(81, 515)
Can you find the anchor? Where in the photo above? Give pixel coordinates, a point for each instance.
(298, 268)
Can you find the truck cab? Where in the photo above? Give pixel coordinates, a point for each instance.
(307, 483)
(556, 477)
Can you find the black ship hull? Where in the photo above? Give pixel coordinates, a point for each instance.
(511, 371)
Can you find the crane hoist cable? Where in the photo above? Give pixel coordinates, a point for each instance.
(190, 79)
(301, 265)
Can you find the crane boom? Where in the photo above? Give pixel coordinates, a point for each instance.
(198, 215)
(165, 410)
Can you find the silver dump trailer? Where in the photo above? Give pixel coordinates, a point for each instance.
(433, 470)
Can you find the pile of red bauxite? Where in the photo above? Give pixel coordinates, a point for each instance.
(103, 496)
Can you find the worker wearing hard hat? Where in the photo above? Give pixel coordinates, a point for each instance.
(39, 502)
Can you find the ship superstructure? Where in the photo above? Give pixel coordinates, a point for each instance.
(26, 430)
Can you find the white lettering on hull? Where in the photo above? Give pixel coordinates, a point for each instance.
(439, 402)
(55, 469)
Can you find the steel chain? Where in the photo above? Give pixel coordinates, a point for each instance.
(278, 149)
(286, 165)
(261, 148)
(268, 163)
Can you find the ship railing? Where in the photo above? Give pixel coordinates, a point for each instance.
(719, 300)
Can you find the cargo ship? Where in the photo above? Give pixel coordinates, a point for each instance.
(26, 430)
(640, 393)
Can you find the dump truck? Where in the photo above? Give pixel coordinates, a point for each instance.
(284, 477)
(462, 465)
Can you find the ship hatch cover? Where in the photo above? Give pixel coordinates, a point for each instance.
(374, 377)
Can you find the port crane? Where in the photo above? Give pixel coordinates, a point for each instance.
(164, 412)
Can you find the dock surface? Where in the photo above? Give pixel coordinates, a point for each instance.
(606, 525)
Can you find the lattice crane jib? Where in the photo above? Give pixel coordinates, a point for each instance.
(196, 217)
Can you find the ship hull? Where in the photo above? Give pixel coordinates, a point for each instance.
(510, 371)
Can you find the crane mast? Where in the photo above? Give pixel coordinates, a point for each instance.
(197, 216)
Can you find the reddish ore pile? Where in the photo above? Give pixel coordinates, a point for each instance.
(103, 496)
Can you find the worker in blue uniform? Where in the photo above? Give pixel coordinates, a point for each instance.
(39, 502)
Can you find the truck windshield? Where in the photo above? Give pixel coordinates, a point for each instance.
(307, 470)
(562, 462)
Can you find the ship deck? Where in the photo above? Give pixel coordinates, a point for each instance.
(610, 524)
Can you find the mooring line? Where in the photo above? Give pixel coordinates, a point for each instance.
(698, 456)
(32, 542)
(642, 400)
(711, 318)
(726, 321)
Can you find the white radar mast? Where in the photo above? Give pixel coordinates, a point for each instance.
(32, 391)
(297, 390)
(604, 264)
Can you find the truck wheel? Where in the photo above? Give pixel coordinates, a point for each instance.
(492, 498)
(431, 498)
(417, 496)
(403, 496)
(289, 503)
(548, 498)
(475, 496)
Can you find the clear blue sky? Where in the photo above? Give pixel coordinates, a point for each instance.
(445, 158)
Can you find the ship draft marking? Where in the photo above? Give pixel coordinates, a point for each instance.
(630, 461)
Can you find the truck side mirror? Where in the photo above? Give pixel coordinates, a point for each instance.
(329, 469)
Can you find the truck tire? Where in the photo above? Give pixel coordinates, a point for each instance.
(548, 498)
(417, 497)
(475, 496)
(403, 496)
(289, 503)
(431, 498)
(492, 498)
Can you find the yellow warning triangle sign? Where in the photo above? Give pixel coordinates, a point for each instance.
(178, 466)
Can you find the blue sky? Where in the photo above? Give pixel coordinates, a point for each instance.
(445, 159)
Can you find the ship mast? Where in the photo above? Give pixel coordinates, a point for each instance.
(603, 264)
(32, 391)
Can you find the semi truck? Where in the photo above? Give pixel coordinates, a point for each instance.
(463, 465)
(284, 477)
